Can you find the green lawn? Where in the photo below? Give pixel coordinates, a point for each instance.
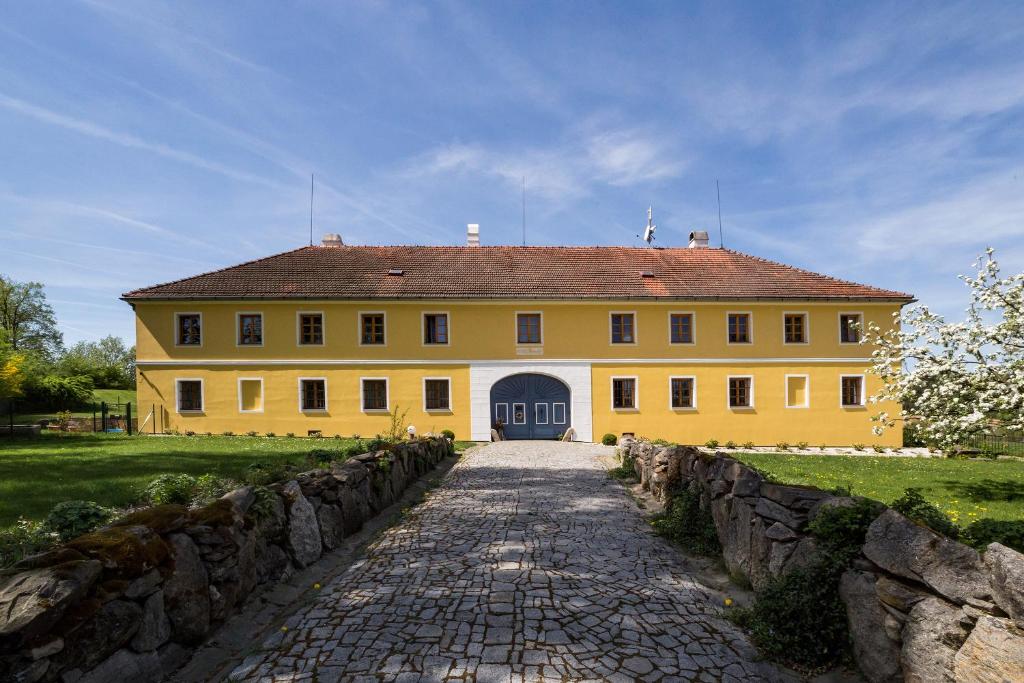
(967, 490)
(111, 396)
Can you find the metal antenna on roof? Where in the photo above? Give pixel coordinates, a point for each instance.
(524, 211)
(651, 227)
(310, 209)
(721, 238)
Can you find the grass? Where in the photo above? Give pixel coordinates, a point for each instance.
(966, 490)
(110, 396)
(112, 469)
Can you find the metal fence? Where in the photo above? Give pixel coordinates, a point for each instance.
(998, 443)
(106, 417)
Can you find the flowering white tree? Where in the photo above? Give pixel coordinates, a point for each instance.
(955, 379)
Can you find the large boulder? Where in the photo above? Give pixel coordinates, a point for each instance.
(931, 637)
(994, 653)
(303, 531)
(155, 627)
(31, 602)
(1007, 579)
(332, 525)
(96, 637)
(877, 655)
(186, 592)
(911, 551)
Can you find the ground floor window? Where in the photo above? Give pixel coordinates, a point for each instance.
(624, 393)
(682, 394)
(852, 391)
(375, 394)
(190, 395)
(558, 413)
(501, 413)
(437, 394)
(250, 395)
(313, 394)
(741, 392)
(518, 413)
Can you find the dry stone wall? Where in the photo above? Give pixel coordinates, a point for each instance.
(920, 607)
(127, 602)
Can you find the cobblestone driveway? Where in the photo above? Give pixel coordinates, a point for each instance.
(528, 563)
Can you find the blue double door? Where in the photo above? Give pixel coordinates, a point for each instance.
(531, 406)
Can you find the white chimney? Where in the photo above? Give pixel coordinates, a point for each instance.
(698, 240)
(473, 235)
(332, 239)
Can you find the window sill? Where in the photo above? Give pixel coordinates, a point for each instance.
(438, 411)
(742, 409)
(313, 411)
(689, 343)
(691, 409)
(251, 412)
(856, 407)
(376, 411)
(805, 407)
(626, 410)
(191, 412)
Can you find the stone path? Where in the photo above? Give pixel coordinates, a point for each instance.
(527, 564)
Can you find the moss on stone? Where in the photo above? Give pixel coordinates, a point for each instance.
(162, 519)
(125, 551)
(218, 513)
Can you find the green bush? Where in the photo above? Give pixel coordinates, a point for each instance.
(730, 444)
(252, 432)
(24, 538)
(270, 435)
(210, 487)
(711, 443)
(913, 505)
(72, 518)
(782, 446)
(609, 439)
(858, 446)
(263, 504)
(323, 457)
(685, 522)
(841, 530)
(801, 445)
(263, 473)
(625, 470)
(985, 531)
(170, 488)
(448, 434)
(358, 448)
(748, 444)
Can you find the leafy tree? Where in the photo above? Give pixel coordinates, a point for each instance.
(11, 370)
(957, 379)
(109, 362)
(27, 320)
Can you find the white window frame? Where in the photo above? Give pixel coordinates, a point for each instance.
(611, 329)
(238, 330)
(515, 331)
(807, 390)
(314, 411)
(750, 328)
(387, 396)
(359, 329)
(807, 328)
(262, 396)
(437, 410)
(496, 416)
(863, 392)
(547, 414)
(636, 394)
(177, 395)
(693, 328)
(752, 396)
(553, 420)
(839, 328)
(423, 328)
(690, 408)
(202, 330)
(298, 329)
(513, 415)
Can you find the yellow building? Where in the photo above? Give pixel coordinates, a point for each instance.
(685, 344)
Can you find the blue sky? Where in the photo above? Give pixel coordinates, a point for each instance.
(146, 141)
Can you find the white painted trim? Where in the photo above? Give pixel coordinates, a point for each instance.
(693, 328)
(839, 327)
(423, 328)
(636, 329)
(863, 391)
(732, 407)
(387, 396)
(359, 328)
(693, 394)
(513, 416)
(807, 391)
(450, 408)
(807, 328)
(574, 374)
(314, 411)
(298, 329)
(547, 414)
(238, 330)
(262, 397)
(522, 361)
(553, 421)
(177, 394)
(515, 330)
(496, 411)
(636, 394)
(750, 328)
(202, 330)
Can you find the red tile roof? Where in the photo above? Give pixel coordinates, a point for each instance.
(354, 272)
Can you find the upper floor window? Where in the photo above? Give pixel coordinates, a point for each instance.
(681, 392)
(250, 329)
(795, 328)
(739, 328)
(437, 393)
(623, 328)
(311, 329)
(849, 328)
(189, 330)
(371, 327)
(313, 393)
(528, 328)
(435, 328)
(852, 390)
(624, 393)
(741, 392)
(190, 395)
(375, 394)
(680, 327)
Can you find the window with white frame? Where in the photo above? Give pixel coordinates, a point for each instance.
(851, 389)
(558, 413)
(739, 328)
(794, 328)
(528, 328)
(501, 413)
(437, 394)
(850, 328)
(188, 329)
(623, 328)
(250, 395)
(624, 393)
(680, 327)
(371, 326)
(681, 392)
(250, 329)
(797, 391)
(190, 395)
(313, 394)
(435, 328)
(311, 329)
(375, 394)
(741, 392)
(540, 413)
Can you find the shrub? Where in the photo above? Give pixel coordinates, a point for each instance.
(609, 439)
(252, 432)
(878, 449)
(63, 418)
(985, 531)
(822, 447)
(624, 471)
(448, 434)
(210, 487)
(170, 488)
(290, 435)
(685, 522)
(711, 443)
(358, 448)
(263, 473)
(378, 443)
(322, 457)
(208, 433)
(782, 446)
(858, 446)
(189, 432)
(842, 529)
(24, 538)
(913, 506)
(801, 445)
(397, 428)
(72, 518)
(270, 435)
(748, 444)
(263, 504)
(227, 433)
(730, 444)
